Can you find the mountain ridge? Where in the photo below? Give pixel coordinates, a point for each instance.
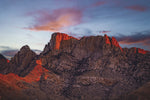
(94, 67)
(62, 36)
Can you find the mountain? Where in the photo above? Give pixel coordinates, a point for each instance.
(20, 61)
(3, 63)
(90, 68)
(141, 93)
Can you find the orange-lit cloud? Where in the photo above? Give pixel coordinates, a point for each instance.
(56, 20)
(130, 41)
(138, 38)
(137, 8)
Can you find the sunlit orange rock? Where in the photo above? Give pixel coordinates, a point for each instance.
(139, 50)
(142, 51)
(33, 76)
(12, 79)
(8, 61)
(107, 39)
(134, 49)
(9, 77)
(39, 62)
(60, 37)
(115, 43)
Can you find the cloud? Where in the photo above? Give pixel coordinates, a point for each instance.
(137, 8)
(55, 20)
(96, 4)
(141, 38)
(104, 32)
(29, 35)
(99, 3)
(9, 53)
(83, 31)
(4, 48)
(73, 34)
(37, 51)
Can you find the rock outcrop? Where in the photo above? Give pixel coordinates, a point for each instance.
(2, 57)
(92, 68)
(141, 93)
(56, 40)
(97, 63)
(3, 63)
(20, 61)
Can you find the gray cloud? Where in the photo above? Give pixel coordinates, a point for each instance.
(9, 52)
(138, 38)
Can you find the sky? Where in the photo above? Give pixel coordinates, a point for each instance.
(31, 22)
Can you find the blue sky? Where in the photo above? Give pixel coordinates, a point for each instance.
(32, 22)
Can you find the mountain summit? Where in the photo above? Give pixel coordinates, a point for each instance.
(56, 41)
(90, 68)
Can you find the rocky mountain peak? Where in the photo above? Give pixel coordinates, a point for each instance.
(25, 51)
(21, 60)
(94, 65)
(66, 43)
(25, 48)
(112, 41)
(115, 43)
(56, 40)
(107, 40)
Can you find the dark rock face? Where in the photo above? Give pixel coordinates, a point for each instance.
(141, 93)
(97, 66)
(3, 63)
(2, 57)
(20, 61)
(92, 68)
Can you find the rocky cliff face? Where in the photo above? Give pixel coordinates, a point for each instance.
(92, 68)
(3, 63)
(20, 61)
(56, 40)
(141, 93)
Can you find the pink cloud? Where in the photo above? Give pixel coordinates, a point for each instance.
(99, 3)
(56, 20)
(137, 8)
(133, 42)
(141, 38)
